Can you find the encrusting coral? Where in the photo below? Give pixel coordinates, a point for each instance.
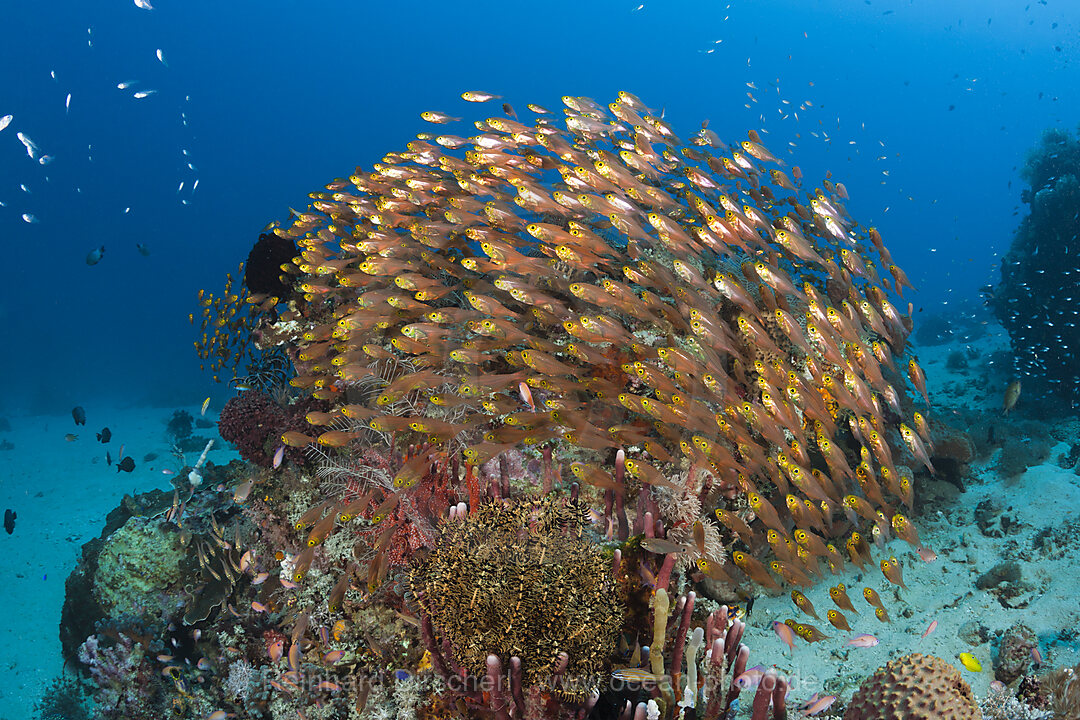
(1015, 651)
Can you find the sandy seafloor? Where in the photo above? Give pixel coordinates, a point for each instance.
(63, 490)
(969, 620)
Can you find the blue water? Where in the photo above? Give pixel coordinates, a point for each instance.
(281, 97)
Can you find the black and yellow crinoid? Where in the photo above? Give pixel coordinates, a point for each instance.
(522, 578)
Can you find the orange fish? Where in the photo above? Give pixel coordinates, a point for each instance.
(892, 571)
(918, 379)
(840, 597)
(803, 603)
(1012, 394)
(337, 438)
(904, 530)
(321, 529)
(838, 620)
(872, 597)
(807, 632)
(765, 511)
(297, 439)
(294, 657)
(785, 633)
(915, 444)
(754, 569)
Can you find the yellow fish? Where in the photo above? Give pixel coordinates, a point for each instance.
(1012, 394)
(970, 662)
(205, 404)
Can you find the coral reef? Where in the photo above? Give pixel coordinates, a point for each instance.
(1039, 276)
(1000, 704)
(914, 687)
(64, 699)
(125, 679)
(179, 426)
(262, 271)
(556, 392)
(952, 450)
(254, 422)
(1018, 454)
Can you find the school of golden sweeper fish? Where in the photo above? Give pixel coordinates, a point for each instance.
(592, 283)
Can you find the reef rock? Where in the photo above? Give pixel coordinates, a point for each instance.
(1014, 653)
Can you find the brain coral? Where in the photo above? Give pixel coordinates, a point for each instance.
(914, 687)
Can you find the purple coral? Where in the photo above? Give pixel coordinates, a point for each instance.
(252, 421)
(124, 680)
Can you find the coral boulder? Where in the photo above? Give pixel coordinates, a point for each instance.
(914, 687)
(138, 570)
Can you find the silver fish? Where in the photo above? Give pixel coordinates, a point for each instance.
(31, 146)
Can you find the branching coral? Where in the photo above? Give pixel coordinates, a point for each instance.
(254, 422)
(1000, 704)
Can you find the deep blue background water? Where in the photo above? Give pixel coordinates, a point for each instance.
(281, 97)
